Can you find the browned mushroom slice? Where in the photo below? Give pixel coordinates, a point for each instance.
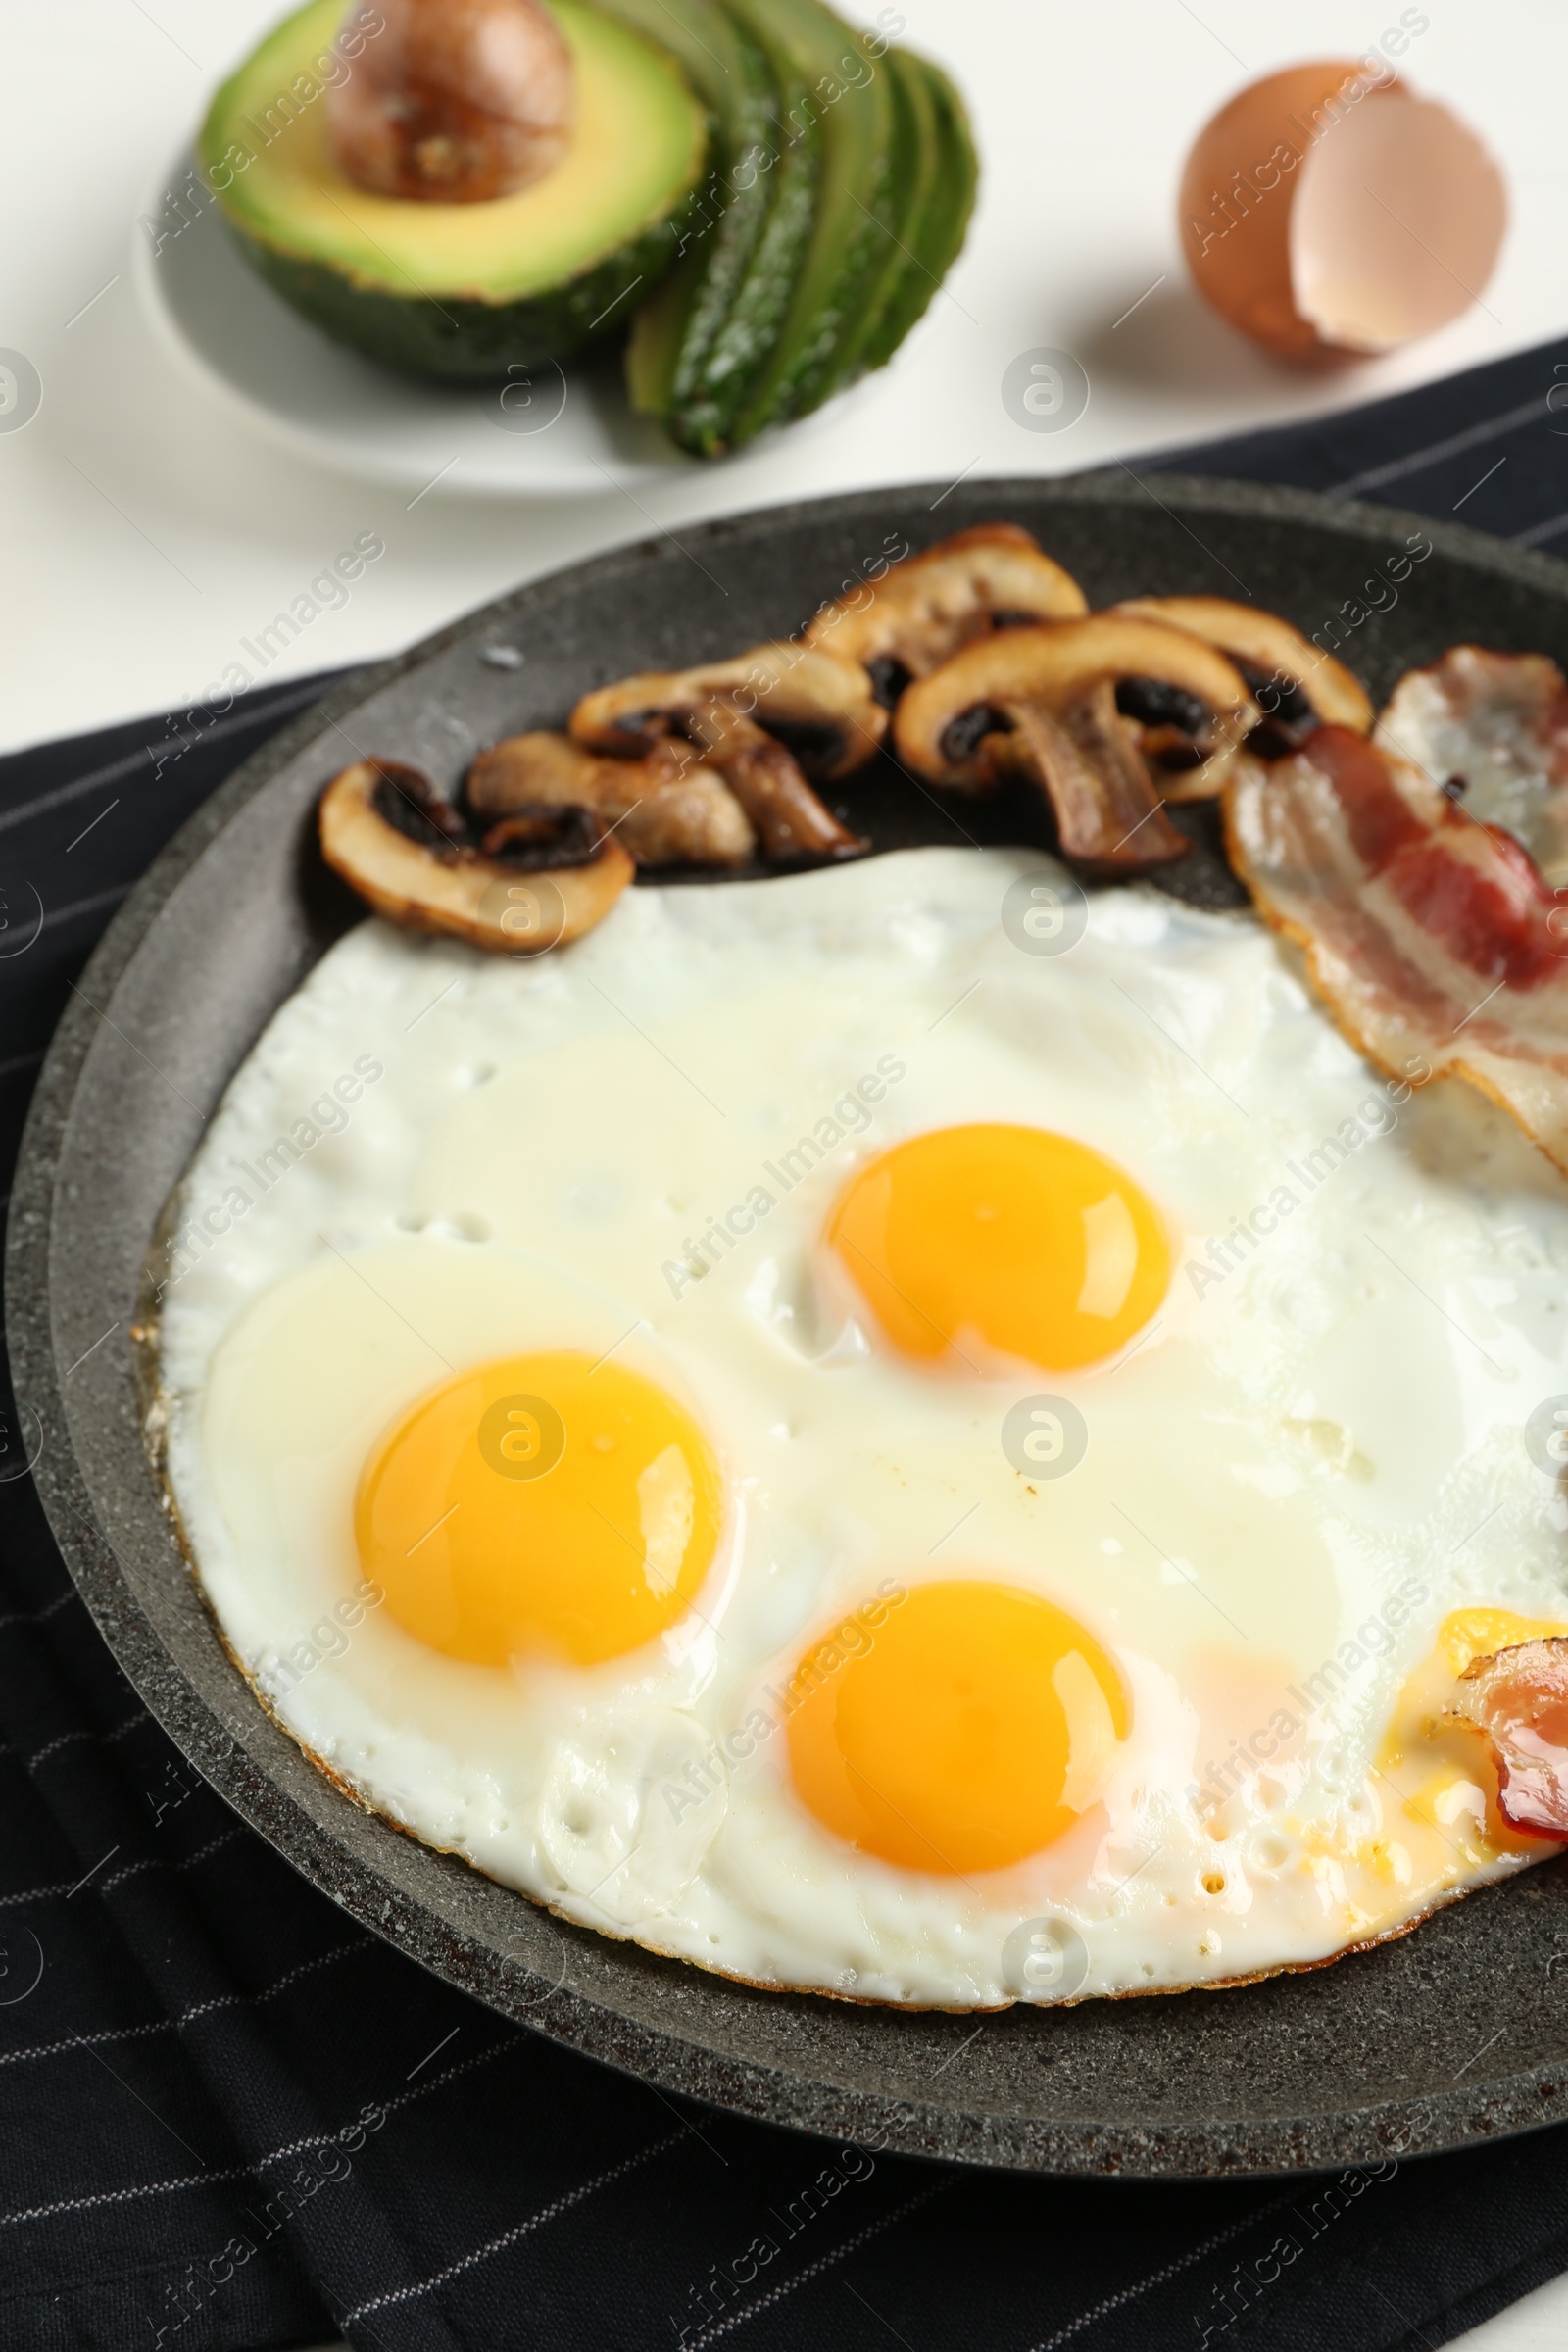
(765, 780)
(542, 877)
(1295, 685)
(820, 706)
(1041, 701)
(668, 808)
(926, 608)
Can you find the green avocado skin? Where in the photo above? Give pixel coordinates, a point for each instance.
(673, 332)
(936, 239)
(854, 123)
(839, 214)
(871, 182)
(459, 340)
(702, 415)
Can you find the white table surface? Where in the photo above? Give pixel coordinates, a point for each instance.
(146, 529)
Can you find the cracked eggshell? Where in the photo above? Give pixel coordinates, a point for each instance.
(1329, 212)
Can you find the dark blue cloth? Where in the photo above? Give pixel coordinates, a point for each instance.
(228, 2119)
(1487, 449)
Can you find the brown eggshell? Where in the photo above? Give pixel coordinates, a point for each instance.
(1400, 213)
(1327, 212)
(1237, 190)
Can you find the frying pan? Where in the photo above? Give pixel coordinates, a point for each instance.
(1455, 2033)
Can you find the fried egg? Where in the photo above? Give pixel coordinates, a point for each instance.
(875, 1444)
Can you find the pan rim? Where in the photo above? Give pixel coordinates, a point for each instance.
(338, 1855)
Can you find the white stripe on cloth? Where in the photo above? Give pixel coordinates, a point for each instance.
(37, 1894)
(509, 2237)
(185, 2017)
(1473, 437)
(38, 1616)
(1539, 532)
(69, 1739)
(823, 2261)
(93, 905)
(241, 2172)
(1171, 2270)
(130, 760)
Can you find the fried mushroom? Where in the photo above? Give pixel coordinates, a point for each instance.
(820, 706)
(1041, 703)
(930, 605)
(670, 808)
(542, 876)
(818, 712)
(763, 776)
(1295, 685)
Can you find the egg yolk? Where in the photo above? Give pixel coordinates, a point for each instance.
(543, 1503)
(1001, 1240)
(971, 1728)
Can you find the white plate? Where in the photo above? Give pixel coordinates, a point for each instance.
(553, 433)
(562, 434)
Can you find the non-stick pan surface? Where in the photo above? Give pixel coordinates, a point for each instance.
(1455, 2033)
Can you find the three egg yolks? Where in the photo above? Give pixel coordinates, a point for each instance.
(543, 1504)
(551, 1504)
(970, 1728)
(981, 1242)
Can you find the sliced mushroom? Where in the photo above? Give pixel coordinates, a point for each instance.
(926, 608)
(1295, 685)
(820, 706)
(769, 785)
(456, 101)
(1041, 701)
(541, 877)
(668, 808)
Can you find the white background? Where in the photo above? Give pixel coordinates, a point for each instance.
(145, 529)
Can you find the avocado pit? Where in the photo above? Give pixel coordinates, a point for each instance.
(455, 102)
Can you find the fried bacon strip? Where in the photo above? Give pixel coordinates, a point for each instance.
(1429, 937)
(1493, 730)
(1519, 1700)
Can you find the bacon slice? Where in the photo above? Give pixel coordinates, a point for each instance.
(1493, 730)
(1519, 1698)
(1433, 940)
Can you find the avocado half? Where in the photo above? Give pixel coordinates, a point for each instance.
(460, 291)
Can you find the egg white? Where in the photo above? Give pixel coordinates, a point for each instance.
(1324, 1420)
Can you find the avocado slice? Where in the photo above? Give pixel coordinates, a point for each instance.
(787, 164)
(674, 330)
(850, 105)
(936, 238)
(916, 156)
(460, 291)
